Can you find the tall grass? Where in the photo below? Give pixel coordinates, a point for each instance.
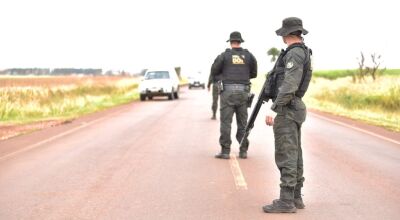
(375, 102)
(21, 104)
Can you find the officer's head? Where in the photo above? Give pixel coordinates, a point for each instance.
(292, 29)
(235, 38)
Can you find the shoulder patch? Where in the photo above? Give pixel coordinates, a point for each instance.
(289, 65)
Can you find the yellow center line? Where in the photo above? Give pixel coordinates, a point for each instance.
(240, 181)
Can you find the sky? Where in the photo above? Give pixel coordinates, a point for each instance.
(133, 35)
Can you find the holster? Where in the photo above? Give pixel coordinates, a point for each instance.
(250, 99)
(220, 86)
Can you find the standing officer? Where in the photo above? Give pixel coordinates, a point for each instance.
(293, 73)
(213, 79)
(235, 66)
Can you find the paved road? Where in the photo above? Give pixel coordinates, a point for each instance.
(154, 160)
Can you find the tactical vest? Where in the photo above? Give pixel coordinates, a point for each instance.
(277, 75)
(236, 67)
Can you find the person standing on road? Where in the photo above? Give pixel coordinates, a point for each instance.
(213, 79)
(236, 66)
(293, 74)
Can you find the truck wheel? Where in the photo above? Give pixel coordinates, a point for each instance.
(176, 95)
(142, 97)
(171, 95)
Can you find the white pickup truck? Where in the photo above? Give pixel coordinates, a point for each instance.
(159, 82)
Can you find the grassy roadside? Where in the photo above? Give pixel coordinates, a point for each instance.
(376, 103)
(62, 98)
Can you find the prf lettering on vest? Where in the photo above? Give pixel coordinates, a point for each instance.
(236, 59)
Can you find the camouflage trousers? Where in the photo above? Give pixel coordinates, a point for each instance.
(288, 152)
(233, 102)
(215, 94)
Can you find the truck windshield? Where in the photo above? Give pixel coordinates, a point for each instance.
(157, 75)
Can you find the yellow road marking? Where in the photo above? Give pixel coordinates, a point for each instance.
(357, 129)
(240, 181)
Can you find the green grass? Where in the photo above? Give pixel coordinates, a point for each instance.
(20, 105)
(392, 72)
(335, 74)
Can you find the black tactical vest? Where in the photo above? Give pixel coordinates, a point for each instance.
(236, 69)
(277, 75)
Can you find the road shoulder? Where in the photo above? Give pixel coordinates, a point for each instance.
(358, 125)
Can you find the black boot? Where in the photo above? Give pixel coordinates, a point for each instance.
(214, 116)
(243, 148)
(243, 154)
(284, 204)
(298, 201)
(224, 154)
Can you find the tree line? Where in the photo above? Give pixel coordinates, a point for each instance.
(47, 71)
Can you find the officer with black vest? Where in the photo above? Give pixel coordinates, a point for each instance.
(235, 67)
(292, 75)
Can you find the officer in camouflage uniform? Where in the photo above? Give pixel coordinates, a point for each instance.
(235, 66)
(213, 79)
(294, 72)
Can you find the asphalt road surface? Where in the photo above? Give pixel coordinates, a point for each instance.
(155, 160)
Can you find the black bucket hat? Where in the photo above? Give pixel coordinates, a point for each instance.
(290, 25)
(235, 36)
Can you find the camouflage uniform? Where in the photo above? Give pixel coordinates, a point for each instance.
(291, 113)
(236, 67)
(215, 93)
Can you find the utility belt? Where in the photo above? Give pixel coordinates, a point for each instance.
(235, 87)
(296, 103)
(238, 87)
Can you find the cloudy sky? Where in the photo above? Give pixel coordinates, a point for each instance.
(132, 35)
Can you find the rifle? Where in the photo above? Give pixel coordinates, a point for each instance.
(267, 92)
(264, 96)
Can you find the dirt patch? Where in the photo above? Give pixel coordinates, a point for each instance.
(9, 131)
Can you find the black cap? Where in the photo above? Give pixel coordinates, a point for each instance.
(235, 36)
(290, 25)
